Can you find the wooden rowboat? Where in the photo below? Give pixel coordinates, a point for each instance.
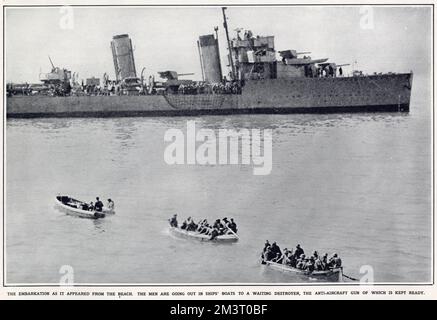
(331, 275)
(202, 237)
(74, 207)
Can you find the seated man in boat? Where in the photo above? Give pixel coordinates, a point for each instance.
(233, 226)
(173, 221)
(325, 263)
(298, 252)
(318, 264)
(99, 205)
(184, 225)
(310, 264)
(268, 254)
(201, 226)
(214, 234)
(301, 262)
(192, 226)
(209, 230)
(227, 226)
(292, 260)
(277, 258)
(91, 206)
(286, 256)
(204, 227)
(266, 245)
(276, 250)
(335, 261)
(218, 225)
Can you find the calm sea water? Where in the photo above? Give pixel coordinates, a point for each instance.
(356, 184)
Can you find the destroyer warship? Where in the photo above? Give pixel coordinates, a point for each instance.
(261, 80)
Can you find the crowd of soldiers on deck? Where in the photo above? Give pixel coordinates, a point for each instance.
(219, 227)
(117, 88)
(298, 259)
(229, 87)
(328, 71)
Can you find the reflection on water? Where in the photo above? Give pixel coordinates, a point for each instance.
(357, 184)
(99, 225)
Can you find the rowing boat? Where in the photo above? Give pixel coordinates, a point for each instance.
(202, 237)
(331, 275)
(75, 207)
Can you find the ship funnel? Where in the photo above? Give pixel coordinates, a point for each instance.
(210, 58)
(123, 56)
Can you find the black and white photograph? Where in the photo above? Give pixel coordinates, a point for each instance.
(217, 145)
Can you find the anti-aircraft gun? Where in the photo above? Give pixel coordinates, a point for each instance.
(172, 83)
(56, 76)
(58, 80)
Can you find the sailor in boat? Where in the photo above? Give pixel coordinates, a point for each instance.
(298, 252)
(310, 264)
(201, 227)
(325, 261)
(301, 262)
(335, 261)
(174, 221)
(204, 227)
(91, 206)
(185, 224)
(266, 245)
(287, 257)
(191, 225)
(111, 205)
(319, 265)
(218, 225)
(268, 254)
(214, 234)
(233, 226)
(99, 205)
(277, 252)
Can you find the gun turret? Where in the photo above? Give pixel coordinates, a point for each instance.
(291, 54)
(172, 75)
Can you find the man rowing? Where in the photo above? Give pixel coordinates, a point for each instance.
(233, 226)
(335, 261)
(174, 221)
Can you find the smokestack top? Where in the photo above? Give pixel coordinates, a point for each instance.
(120, 36)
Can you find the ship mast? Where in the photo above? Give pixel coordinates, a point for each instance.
(231, 60)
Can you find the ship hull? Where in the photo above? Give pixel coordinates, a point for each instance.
(379, 93)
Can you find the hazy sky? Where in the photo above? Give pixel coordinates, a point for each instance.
(165, 38)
